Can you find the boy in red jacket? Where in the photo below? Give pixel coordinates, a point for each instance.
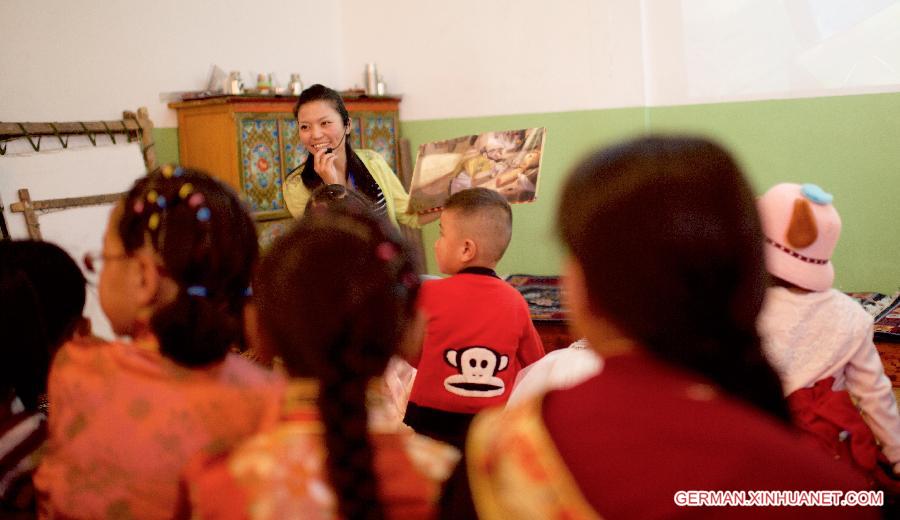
(479, 332)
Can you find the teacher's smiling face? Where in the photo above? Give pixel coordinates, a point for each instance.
(321, 127)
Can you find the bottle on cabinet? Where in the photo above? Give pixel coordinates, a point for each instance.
(295, 86)
(371, 79)
(263, 85)
(235, 86)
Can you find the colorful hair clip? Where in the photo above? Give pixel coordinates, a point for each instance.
(248, 292)
(185, 190)
(161, 202)
(386, 251)
(410, 280)
(166, 171)
(179, 171)
(196, 200)
(138, 206)
(153, 222)
(151, 196)
(197, 290)
(203, 214)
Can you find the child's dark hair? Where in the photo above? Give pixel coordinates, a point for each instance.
(497, 226)
(207, 243)
(41, 302)
(666, 232)
(337, 197)
(363, 177)
(356, 281)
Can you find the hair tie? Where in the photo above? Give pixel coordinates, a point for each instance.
(197, 290)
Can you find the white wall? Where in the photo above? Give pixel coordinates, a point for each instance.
(477, 58)
(702, 51)
(91, 59)
(485, 57)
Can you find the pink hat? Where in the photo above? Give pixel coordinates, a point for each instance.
(789, 211)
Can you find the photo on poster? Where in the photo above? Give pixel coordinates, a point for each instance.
(508, 162)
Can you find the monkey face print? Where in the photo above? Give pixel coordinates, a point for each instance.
(477, 368)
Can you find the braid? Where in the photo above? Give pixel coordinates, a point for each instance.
(342, 405)
(359, 287)
(359, 353)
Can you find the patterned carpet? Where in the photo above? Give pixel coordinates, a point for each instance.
(887, 327)
(885, 310)
(543, 296)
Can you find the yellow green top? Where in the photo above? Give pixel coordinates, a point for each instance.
(296, 194)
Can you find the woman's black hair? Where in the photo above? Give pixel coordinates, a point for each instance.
(355, 278)
(666, 232)
(42, 293)
(207, 243)
(363, 177)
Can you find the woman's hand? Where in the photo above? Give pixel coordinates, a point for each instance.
(323, 163)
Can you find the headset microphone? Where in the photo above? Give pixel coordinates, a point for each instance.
(327, 150)
(330, 149)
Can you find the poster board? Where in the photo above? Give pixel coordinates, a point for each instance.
(508, 162)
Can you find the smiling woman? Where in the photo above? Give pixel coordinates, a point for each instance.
(324, 125)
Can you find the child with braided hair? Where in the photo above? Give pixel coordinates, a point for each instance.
(336, 452)
(399, 376)
(127, 415)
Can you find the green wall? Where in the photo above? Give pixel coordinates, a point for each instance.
(570, 135)
(166, 143)
(848, 144)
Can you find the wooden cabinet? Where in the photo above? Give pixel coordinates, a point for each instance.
(252, 143)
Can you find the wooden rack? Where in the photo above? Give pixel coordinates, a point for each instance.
(132, 125)
(31, 207)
